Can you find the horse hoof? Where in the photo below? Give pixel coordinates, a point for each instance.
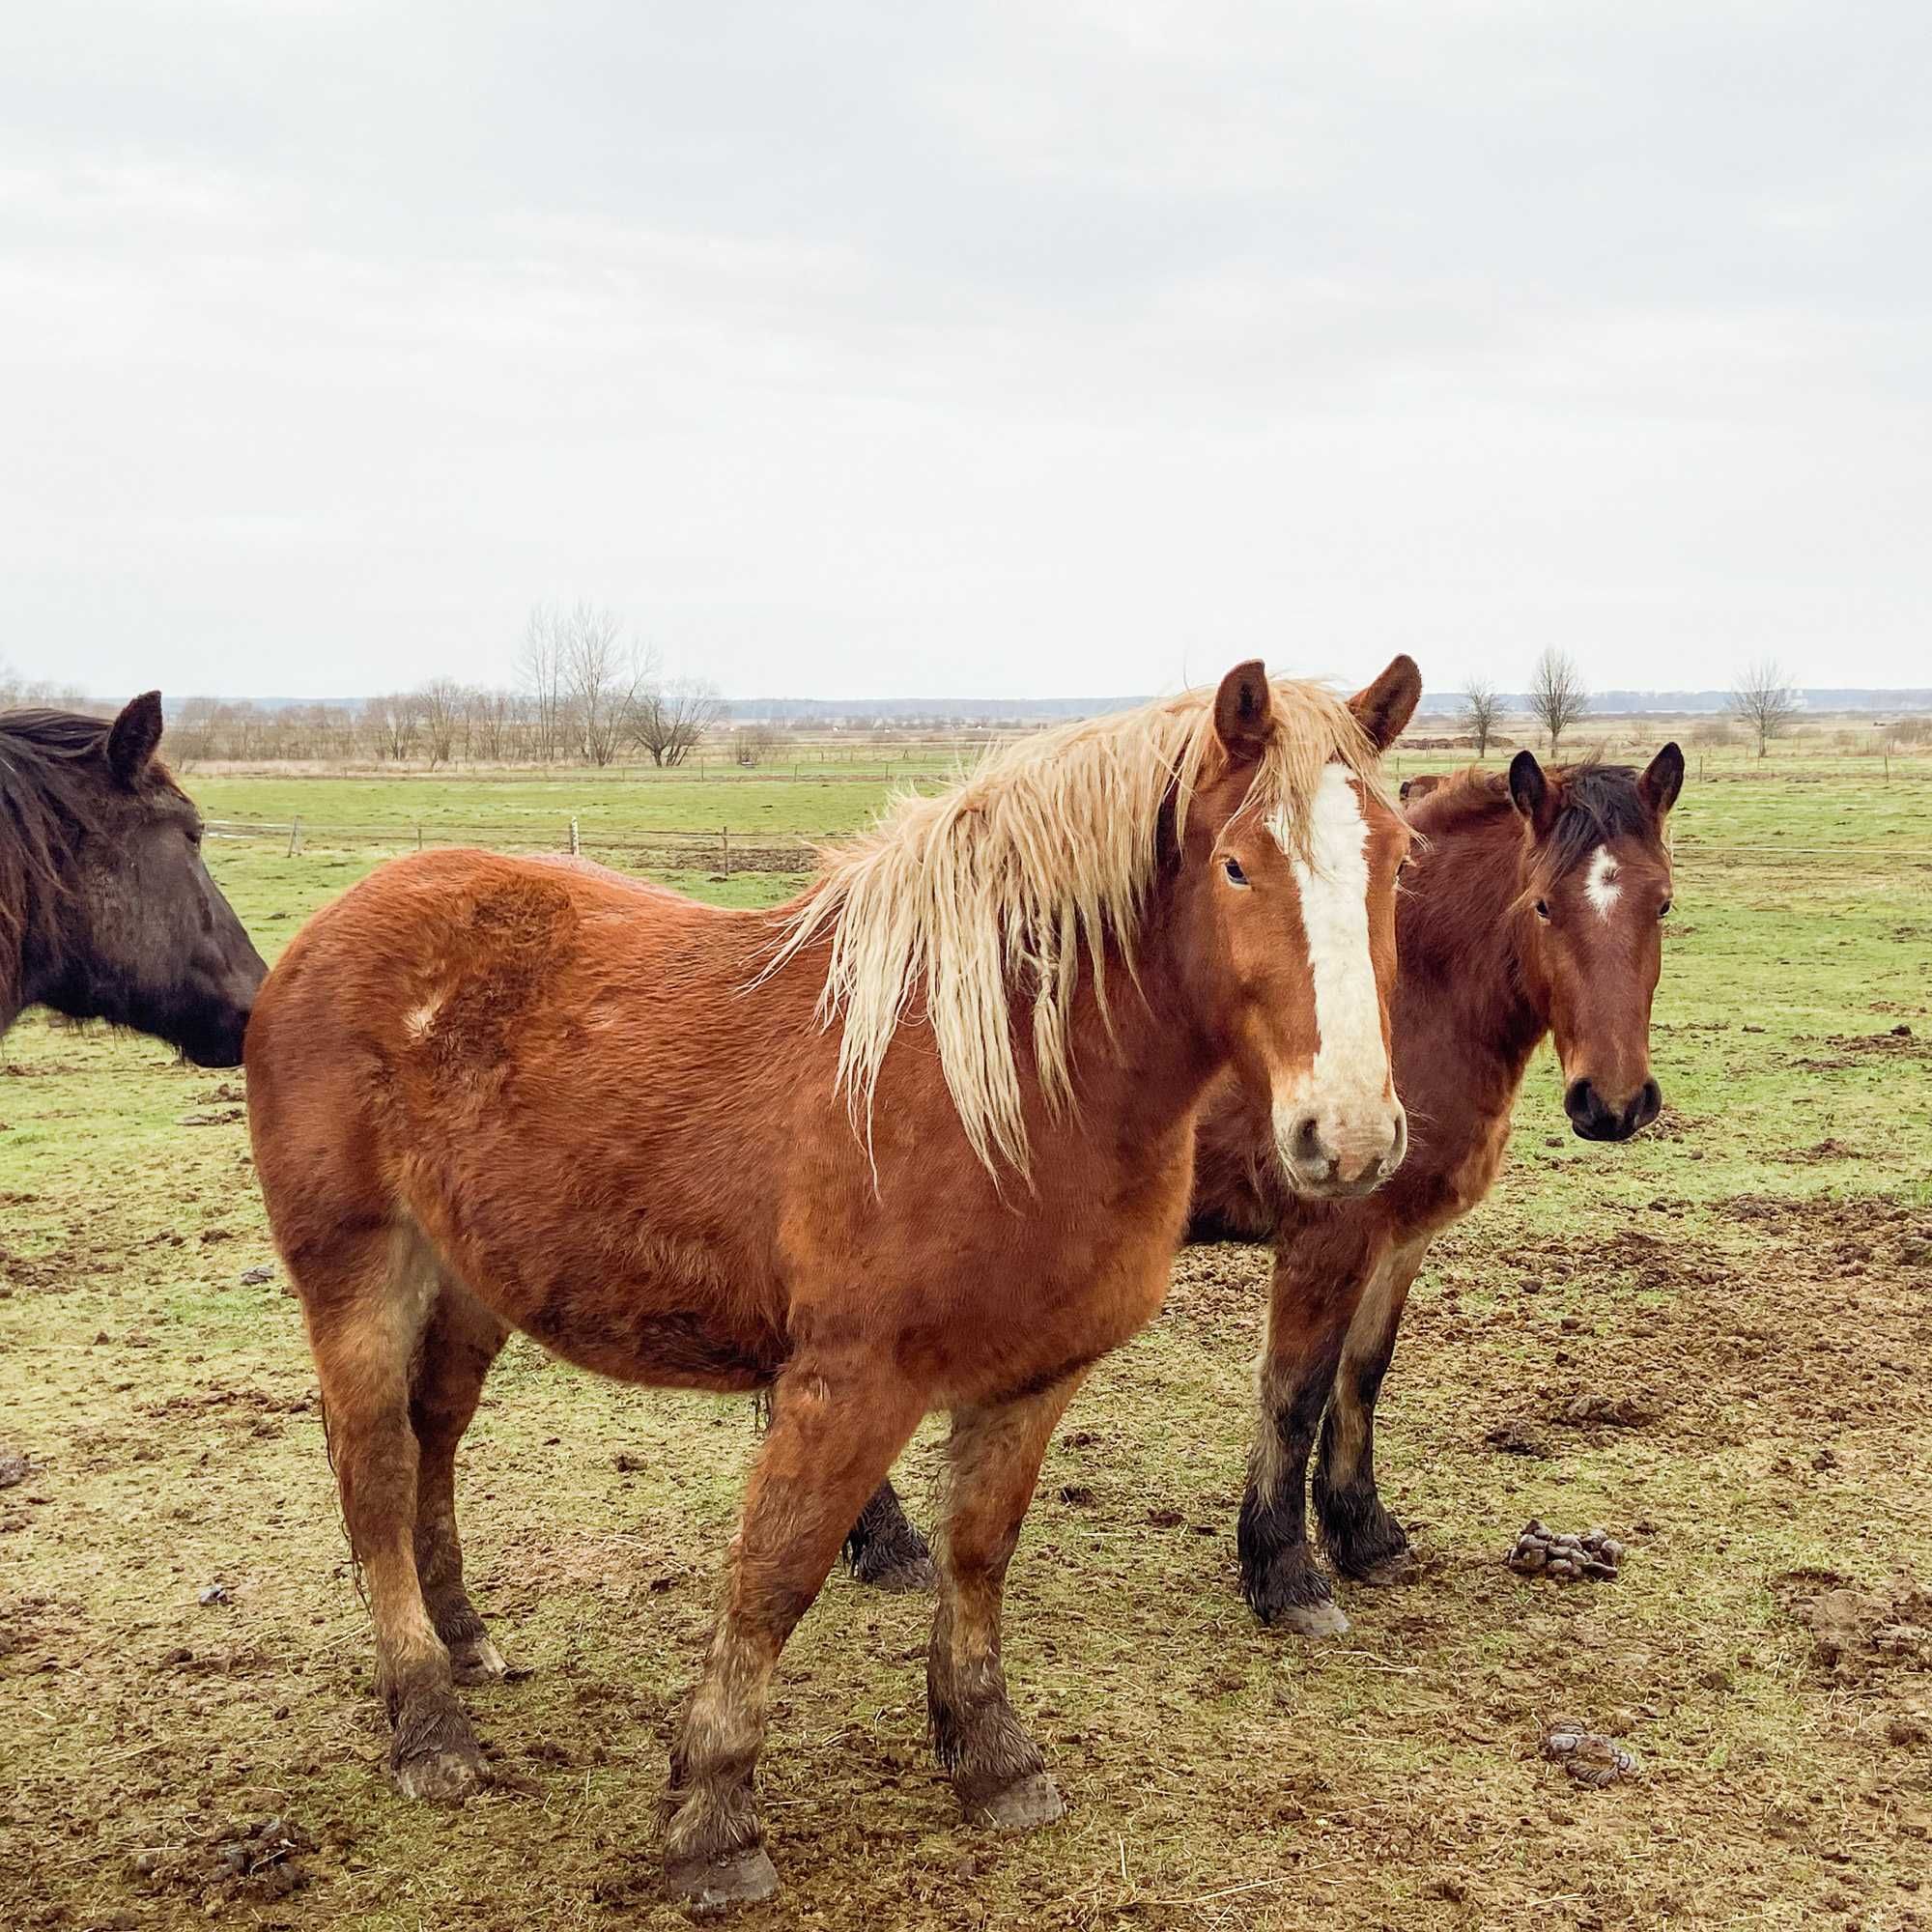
(440, 1777)
(1024, 1806)
(1391, 1571)
(1322, 1619)
(917, 1575)
(708, 1886)
(477, 1661)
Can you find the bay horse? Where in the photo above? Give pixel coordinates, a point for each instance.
(106, 911)
(1531, 906)
(921, 1139)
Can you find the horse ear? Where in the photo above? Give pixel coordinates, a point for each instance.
(1383, 710)
(1662, 780)
(1244, 710)
(132, 743)
(1530, 791)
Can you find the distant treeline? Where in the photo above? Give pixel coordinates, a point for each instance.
(939, 714)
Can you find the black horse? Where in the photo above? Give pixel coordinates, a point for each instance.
(106, 911)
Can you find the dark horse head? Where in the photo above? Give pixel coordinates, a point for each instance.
(1596, 874)
(106, 911)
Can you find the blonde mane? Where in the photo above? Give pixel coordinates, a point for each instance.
(992, 894)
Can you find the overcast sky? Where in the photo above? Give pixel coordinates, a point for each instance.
(946, 348)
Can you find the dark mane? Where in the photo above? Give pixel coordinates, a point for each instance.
(1599, 802)
(53, 788)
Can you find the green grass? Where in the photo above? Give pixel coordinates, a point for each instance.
(1219, 1774)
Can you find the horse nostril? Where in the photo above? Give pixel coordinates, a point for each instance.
(1305, 1145)
(1647, 1105)
(1579, 1100)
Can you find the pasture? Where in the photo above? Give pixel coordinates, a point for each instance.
(1713, 1341)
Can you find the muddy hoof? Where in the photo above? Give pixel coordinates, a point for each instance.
(440, 1777)
(1024, 1806)
(1392, 1572)
(909, 1576)
(1322, 1619)
(708, 1886)
(477, 1661)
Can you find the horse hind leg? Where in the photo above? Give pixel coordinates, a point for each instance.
(368, 1306)
(461, 1341)
(993, 1458)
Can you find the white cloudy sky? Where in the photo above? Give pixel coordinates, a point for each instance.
(1047, 349)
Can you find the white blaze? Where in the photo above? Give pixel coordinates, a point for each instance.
(1350, 1079)
(1601, 888)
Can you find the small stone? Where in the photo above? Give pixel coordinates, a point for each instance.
(254, 1277)
(213, 1593)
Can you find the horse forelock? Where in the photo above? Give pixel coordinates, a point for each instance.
(1004, 891)
(1599, 802)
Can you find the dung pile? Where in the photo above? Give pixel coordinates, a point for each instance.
(1540, 1550)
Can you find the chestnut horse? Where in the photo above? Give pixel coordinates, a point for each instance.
(923, 1138)
(1532, 905)
(106, 911)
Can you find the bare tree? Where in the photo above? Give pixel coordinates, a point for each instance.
(1481, 709)
(669, 717)
(439, 705)
(192, 731)
(540, 669)
(1763, 701)
(492, 722)
(1557, 694)
(395, 721)
(602, 675)
(751, 744)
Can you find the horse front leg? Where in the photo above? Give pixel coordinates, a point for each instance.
(882, 1548)
(836, 1430)
(992, 1464)
(1313, 1298)
(1364, 1540)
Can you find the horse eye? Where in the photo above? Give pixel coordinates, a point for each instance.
(1542, 909)
(1236, 876)
(1663, 911)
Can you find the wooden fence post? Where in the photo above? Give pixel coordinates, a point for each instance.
(296, 837)
(724, 850)
(419, 835)
(575, 846)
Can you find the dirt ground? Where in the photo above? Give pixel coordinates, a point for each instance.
(1712, 1342)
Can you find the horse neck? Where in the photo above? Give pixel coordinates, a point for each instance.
(1147, 1045)
(1461, 936)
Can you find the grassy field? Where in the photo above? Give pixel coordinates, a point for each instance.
(1749, 1282)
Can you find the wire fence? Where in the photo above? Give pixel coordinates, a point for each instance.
(732, 849)
(720, 848)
